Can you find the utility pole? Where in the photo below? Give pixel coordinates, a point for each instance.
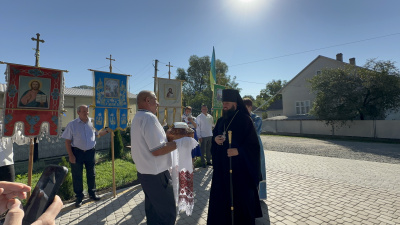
(155, 76)
(169, 70)
(37, 53)
(111, 59)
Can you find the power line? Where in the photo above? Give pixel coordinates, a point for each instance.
(119, 70)
(142, 70)
(251, 82)
(100, 67)
(150, 83)
(275, 57)
(313, 50)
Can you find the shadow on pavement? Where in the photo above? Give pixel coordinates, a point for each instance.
(265, 219)
(128, 207)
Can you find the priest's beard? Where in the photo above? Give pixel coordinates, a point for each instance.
(228, 114)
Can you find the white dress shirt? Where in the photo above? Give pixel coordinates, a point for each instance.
(6, 152)
(147, 136)
(204, 125)
(6, 149)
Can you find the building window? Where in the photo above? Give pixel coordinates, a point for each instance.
(302, 107)
(318, 72)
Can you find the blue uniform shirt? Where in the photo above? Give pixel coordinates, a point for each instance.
(82, 135)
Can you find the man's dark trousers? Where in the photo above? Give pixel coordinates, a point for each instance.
(7, 173)
(86, 158)
(159, 200)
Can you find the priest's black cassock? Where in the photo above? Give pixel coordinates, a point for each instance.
(245, 176)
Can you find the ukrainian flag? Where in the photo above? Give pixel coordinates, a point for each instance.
(213, 74)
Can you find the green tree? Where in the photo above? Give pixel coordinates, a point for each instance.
(271, 89)
(118, 145)
(356, 93)
(83, 87)
(66, 190)
(196, 88)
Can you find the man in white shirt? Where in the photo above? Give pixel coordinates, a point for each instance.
(204, 133)
(7, 172)
(151, 153)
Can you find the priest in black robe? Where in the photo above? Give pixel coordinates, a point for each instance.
(245, 163)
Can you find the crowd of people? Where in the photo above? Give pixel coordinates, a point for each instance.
(232, 146)
(237, 162)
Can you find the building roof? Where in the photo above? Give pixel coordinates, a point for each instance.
(75, 92)
(84, 92)
(317, 58)
(276, 105)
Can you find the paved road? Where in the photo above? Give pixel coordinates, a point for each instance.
(366, 151)
(302, 188)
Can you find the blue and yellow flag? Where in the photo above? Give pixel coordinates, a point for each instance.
(213, 74)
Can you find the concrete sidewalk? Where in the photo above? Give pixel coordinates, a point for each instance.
(302, 189)
(128, 206)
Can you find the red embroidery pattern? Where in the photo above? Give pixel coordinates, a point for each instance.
(186, 196)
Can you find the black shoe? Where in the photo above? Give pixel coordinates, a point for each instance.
(95, 197)
(209, 164)
(78, 202)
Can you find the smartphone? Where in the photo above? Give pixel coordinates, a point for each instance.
(43, 194)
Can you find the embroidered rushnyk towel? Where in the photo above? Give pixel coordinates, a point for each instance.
(182, 175)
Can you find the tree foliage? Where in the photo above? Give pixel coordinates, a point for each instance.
(118, 145)
(271, 89)
(196, 88)
(83, 87)
(356, 93)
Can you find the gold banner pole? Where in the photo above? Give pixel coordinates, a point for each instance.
(113, 163)
(173, 114)
(30, 165)
(230, 174)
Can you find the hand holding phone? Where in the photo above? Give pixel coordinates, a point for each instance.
(43, 194)
(16, 213)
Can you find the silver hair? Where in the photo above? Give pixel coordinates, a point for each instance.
(78, 109)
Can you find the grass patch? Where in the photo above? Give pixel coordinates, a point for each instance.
(125, 173)
(197, 162)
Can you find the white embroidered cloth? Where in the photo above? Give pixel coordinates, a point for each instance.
(182, 174)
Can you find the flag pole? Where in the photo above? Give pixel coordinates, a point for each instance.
(113, 164)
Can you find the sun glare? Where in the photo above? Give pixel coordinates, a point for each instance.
(248, 5)
(247, 11)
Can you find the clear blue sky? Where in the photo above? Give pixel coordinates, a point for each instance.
(260, 40)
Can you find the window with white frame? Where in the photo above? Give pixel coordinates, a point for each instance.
(302, 107)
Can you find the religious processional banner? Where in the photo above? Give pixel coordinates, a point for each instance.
(217, 102)
(169, 96)
(34, 96)
(110, 100)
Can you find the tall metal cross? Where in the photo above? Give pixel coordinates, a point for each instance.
(37, 53)
(111, 59)
(169, 69)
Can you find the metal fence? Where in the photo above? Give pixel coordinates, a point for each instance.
(383, 129)
(57, 149)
